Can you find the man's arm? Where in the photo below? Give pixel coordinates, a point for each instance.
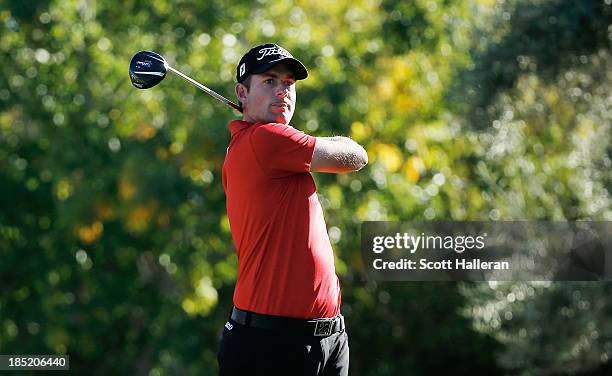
(338, 154)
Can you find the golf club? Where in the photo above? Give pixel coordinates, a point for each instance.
(147, 69)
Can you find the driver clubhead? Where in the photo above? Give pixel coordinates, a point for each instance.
(147, 69)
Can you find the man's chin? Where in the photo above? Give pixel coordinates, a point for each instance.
(282, 119)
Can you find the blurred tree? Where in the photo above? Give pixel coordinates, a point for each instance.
(545, 37)
(540, 93)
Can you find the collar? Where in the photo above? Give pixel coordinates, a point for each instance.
(236, 126)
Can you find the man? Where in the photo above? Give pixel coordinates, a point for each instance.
(286, 317)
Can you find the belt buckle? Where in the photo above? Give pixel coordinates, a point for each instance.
(323, 327)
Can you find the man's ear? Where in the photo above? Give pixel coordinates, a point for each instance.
(241, 93)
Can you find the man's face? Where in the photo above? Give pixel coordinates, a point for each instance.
(270, 97)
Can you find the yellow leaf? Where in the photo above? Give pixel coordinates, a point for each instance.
(139, 218)
(144, 132)
(89, 234)
(63, 189)
(358, 131)
(414, 168)
(390, 156)
(127, 189)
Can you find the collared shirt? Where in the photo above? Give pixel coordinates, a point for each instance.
(285, 259)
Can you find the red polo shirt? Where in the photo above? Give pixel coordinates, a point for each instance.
(285, 260)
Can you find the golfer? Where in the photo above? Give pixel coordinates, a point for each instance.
(286, 317)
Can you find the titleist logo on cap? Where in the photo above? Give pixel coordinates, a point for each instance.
(273, 51)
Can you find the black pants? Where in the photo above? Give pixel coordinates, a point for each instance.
(246, 350)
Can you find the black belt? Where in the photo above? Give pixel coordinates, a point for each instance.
(315, 327)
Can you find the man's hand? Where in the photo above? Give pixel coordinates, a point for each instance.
(338, 154)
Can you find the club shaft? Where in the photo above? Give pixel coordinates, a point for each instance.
(204, 88)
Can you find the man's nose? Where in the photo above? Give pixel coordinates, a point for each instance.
(282, 91)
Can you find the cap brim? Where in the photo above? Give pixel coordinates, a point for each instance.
(299, 70)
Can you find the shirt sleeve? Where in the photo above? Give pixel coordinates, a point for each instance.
(282, 150)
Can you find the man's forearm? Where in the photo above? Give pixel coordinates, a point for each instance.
(346, 155)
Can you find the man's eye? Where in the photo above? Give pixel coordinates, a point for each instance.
(268, 81)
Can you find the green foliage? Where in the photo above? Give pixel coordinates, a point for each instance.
(548, 328)
(541, 92)
(114, 243)
(543, 37)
